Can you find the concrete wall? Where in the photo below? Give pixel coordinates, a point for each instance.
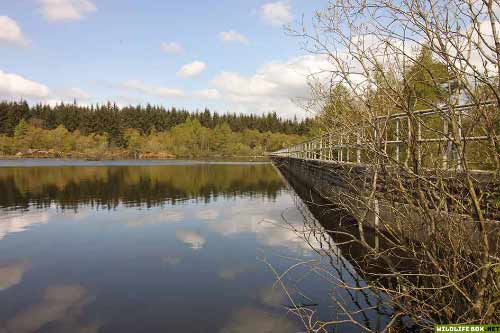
(348, 187)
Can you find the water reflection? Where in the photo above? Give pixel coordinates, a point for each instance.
(17, 222)
(171, 260)
(12, 273)
(192, 239)
(251, 320)
(231, 273)
(329, 232)
(109, 186)
(250, 216)
(62, 305)
(170, 248)
(273, 296)
(163, 216)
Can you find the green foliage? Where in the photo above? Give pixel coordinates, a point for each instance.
(7, 146)
(113, 121)
(189, 139)
(423, 85)
(335, 110)
(424, 81)
(134, 140)
(21, 129)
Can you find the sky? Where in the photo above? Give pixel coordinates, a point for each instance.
(227, 55)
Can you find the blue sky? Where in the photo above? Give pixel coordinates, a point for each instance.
(227, 55)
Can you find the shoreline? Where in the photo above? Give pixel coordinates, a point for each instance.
(120, 155)
(16, 160)
(123, 158)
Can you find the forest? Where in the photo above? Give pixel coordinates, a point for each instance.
(108, 131)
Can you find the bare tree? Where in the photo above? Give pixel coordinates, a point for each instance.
(410, 111)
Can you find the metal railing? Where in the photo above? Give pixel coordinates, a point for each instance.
(401, 137)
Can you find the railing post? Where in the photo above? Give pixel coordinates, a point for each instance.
(358, 148)
(376, 213)
(447, 144)
(398, 121)
(341, 149)
(330, 146)
(409, 141)
(321, 148)
(347, 150)
(462, 142)
(419, 142)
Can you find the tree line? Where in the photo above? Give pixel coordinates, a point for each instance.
(114, 121)
(107, 131)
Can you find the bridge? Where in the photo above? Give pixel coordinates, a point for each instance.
(435, 159)
(346, 145)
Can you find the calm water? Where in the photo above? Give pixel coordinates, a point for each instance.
(162, 247)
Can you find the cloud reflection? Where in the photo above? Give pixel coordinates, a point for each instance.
(273, 296)
(61, 306)
(10, 223)
(163, 216)
(207, 214)
(251, 320)
(192, 238)
(251, 216)
(11, 274)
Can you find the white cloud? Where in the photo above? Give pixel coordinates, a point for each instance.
(141, 87)
(10, 32)
(150, 90)
(208, 93)
(192, 69)
(13, 85)
(274, 85)
(233, 36)
(276, 13)
(56, 101)
(168, 92)
(66, 10)
(75, 93)
(171, 47)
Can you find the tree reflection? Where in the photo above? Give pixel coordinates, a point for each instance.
(328, 231)
(109, 186)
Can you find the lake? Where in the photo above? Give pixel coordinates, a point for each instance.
(165, 246)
